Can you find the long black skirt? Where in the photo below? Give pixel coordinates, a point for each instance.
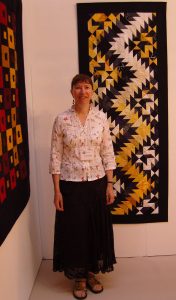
(83, 239)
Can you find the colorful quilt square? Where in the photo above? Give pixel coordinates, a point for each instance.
(14, 154)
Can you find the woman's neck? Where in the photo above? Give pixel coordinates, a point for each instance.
(82, 112)
(82, 109)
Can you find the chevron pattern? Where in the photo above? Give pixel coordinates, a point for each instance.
(123, 46)
(123, 64)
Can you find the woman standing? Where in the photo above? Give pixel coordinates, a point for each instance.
(81, 164)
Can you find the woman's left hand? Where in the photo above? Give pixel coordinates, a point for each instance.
(109, 194)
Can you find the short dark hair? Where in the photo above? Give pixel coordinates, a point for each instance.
(81, 78)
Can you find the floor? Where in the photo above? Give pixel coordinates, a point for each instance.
(142, 278)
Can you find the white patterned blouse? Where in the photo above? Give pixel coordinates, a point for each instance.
(81, 153)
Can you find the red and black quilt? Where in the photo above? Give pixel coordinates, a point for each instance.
(14, 155)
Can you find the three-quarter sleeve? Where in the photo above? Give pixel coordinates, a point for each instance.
(106, 149)
(56, 148)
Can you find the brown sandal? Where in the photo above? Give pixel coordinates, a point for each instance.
(79, 290)
(93, 283)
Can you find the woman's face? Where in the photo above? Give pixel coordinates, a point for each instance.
(82, 92)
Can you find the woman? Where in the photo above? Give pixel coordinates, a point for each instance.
(81, 164)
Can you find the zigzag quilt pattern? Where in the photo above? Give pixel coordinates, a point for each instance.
(123, 63)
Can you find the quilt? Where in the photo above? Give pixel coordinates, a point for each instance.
(122, 46)
(14, 154)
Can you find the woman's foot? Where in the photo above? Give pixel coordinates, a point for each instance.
(79, 290)
(93, 284)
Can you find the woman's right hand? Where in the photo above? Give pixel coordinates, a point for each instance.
(58, 201)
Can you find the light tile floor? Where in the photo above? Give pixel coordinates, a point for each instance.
(141, 278)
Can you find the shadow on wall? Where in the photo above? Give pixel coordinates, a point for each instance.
(41, 180)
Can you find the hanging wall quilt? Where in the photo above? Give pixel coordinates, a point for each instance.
(14, 158)
(122, 46)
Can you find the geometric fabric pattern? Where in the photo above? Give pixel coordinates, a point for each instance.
(14, 169)
(124, 62)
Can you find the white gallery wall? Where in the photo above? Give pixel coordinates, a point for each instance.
(21, 252)
(51, 60)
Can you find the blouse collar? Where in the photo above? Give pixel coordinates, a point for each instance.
(73, 107)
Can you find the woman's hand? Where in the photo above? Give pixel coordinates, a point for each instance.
(109, 194)
(58, 201)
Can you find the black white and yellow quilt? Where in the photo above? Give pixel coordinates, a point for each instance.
(122, 46)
